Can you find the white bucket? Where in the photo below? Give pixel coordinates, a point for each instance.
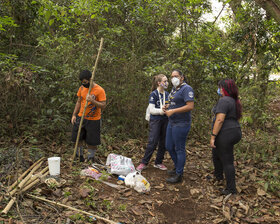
(54, 166)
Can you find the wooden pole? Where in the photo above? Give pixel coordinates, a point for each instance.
(9, 205)
(12, 201)
(23, 175)
(26, 179)
(90, 87)
(34, 177)
(27, 187)
(74, 209)
(22, 183)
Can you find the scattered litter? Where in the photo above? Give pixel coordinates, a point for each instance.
(138, 182)
(91, 172)
(121, 177)
(99, 167)
(119, 164)
(119, 187)
(54, 166)
(52, 182)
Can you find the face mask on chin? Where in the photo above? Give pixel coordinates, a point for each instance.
(86, 85)
(175, 82)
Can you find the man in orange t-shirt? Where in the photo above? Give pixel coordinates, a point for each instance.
(90, 131)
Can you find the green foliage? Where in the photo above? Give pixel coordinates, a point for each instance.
(122, 207)
(272, 182)
(107, 204)
(67, 193)
(6, 22)
(77, 216)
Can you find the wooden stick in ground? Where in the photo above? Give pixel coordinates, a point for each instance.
(24, 174)
(89, 90)
(74, 209)
(12, 201)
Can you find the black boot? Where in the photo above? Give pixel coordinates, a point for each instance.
(227, 192)
(91, 159)
(171, 172)
(81, 158)
(174, 179)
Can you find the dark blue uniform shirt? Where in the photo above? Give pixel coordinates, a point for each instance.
(179, 98)
(154, 99)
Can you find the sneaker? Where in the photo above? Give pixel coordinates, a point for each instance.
(160, 166)
(141, 167)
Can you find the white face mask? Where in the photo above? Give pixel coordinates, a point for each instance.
(175, 81)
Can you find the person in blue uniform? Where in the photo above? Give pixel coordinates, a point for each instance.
(181, 103)
(157, 123)
(226, 132)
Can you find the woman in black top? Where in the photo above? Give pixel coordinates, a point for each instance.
(226, 133)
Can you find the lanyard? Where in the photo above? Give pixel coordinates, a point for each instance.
(174, 90)
(160, 99)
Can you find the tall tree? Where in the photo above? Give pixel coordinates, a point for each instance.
(272, 7)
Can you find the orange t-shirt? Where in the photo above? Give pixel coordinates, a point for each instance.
(92, 112)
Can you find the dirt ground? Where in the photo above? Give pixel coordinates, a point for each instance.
(195, 200)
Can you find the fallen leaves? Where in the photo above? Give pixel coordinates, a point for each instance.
(137, 211)
(128, 193)
(159, 202)
(84, 192)
(252, 205)
(227, 212)
(261, 192)
(194, 191)
(161, 186)
(145, 202)
(245, 207)
(218, 220)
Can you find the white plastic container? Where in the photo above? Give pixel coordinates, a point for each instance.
(54, 166)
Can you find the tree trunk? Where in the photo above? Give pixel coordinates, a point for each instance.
(272, 7)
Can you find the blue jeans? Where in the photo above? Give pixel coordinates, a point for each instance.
(176, 136)
(156, 138)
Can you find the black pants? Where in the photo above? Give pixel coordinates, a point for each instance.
(90, 131)
(157, 135)
(223, 156)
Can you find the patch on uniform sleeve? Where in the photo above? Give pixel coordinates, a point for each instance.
(191, 94)
(152, 98)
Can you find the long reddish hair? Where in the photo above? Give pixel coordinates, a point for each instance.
(230, 89)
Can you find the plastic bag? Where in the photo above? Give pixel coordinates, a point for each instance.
(91, 172)
(119, 164)
(138, 182)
